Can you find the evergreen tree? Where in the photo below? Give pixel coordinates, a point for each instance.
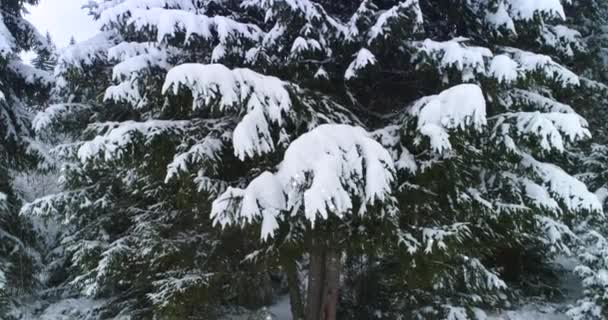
(46, 57)
(20, 85)
(420, 146)
(592, 232)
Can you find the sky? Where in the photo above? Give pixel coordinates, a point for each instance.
(63, 19)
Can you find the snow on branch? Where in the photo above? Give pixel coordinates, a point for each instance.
(205, 153)
(167, 23)
(135, 57)
(528, 9)
(550, 129)
(530, 62)
(453, 54)
(117, 13)
(570, 191)
(461, 107)
(85, 53)
(322, 172)
(264, 99)
(112, 144)
(3, 201)
(55, 114)
(537, 101)
(7, 40)
(363, 59)
(29, 74)
(406, 13)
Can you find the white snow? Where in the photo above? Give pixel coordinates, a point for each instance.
(85, 53)
(501, 18)
(504, 69)
(116, 13)
(7, 40)
(392, 16)
(552, 129)
(455, 54)
(167, 22)
(301, 45)
(540, 102)
(265, 100)
(53, 113)
(321, 173)
(112, 144)
(363, 58)
(532, 62)
(527, 9)
(460, 107)
(3, 201)
(570, 191)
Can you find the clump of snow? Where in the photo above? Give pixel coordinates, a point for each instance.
(321, 173)
(301, 45)
(460, 107)
(390, 138)
(265, 100)
(527, 9)
(455, 54)
(363, 59)
(501, 18)
(504, 69)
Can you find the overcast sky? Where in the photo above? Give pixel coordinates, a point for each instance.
(63, 19)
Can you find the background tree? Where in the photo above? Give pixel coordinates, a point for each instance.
(46, 58)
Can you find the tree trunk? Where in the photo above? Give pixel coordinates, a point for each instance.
(332, 285)
(316, 281)
(295, 297)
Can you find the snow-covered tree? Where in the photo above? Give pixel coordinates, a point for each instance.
(46, 57)
(20, 85)
(422, 144)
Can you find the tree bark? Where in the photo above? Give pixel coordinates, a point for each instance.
(316, 281)
(295, 297)
(332, 285)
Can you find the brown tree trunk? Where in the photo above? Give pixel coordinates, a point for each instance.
(332, 285)
(316, 282)
(295, 297)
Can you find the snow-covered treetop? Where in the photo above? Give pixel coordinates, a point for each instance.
(321, 173)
